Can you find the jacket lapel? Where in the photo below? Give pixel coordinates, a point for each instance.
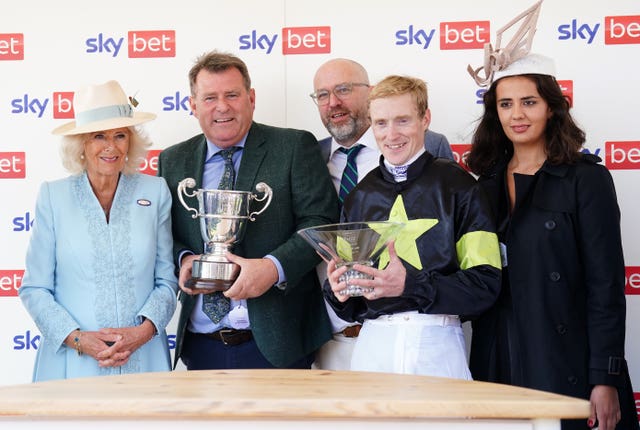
(194, 163)
(253, 155)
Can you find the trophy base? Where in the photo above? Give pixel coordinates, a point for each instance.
(212, 275)
(349, 275)
(209, 284)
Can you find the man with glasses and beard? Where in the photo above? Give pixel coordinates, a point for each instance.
(341, 87)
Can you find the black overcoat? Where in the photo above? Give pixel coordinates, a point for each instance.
(566, 283)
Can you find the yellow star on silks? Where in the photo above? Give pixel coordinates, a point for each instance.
(406, 246)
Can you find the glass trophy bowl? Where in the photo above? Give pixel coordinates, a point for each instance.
(352, 243)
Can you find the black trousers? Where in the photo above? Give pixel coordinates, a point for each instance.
(200, 352)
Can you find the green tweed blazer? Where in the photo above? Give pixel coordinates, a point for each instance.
(287, 324)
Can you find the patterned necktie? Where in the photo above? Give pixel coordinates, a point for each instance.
(215, 305)
(350, 173)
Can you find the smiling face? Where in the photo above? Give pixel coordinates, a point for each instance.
(523, 113)
(223, 106)
(345, 118)
(398, 128)
(106, 152)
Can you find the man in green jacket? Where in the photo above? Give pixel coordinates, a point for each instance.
(276, 316)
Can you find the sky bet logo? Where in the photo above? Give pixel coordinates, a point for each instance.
(29, 340)
(149, 165)
(453, 35)
(295, 40)
(10, 281)
(29, 105)
(12, 165)
(417, 36)
(460, 152)
(618, 30)
(464, 34)
(141, 44)
(11, 46)
(622, 155)
(63, 105)
(26, 341)
(621, 30)
(23, 223)
(632, 280)
(577, 31)
(176, 102)
(566, 86)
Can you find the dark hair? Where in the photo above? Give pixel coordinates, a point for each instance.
(490, 144)
(216, 62)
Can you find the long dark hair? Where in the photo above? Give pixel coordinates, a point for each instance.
(490, 144)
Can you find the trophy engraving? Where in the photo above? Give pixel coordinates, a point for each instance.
(223, 216)
(352, 243)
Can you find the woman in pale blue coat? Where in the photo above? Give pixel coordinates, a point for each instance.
(99, 280)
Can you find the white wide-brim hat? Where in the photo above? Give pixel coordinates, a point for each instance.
(102, 107)
(530, 64)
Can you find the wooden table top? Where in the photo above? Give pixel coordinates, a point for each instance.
(281, 393)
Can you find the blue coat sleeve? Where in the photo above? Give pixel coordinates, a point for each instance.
(38, 284)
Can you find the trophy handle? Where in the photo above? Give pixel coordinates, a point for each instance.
(182, 185)
(261, 187)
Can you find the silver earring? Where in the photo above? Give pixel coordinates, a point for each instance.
(126, 158)
(82, 156)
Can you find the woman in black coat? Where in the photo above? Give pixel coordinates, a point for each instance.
(559, 324)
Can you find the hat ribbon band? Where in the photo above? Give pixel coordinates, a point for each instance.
(105, 112)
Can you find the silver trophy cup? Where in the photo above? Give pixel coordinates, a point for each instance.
(223, 216)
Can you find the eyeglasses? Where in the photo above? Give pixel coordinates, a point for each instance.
(342, 91)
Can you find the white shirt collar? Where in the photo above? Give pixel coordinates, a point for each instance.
(367, 139)
(212, 149)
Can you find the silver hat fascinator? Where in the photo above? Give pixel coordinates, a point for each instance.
(515, 57)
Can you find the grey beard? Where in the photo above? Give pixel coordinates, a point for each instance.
(344, 133)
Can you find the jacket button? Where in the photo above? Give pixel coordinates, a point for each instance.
(572, 380)
(561, 328)
(550, 225)
(554, 276)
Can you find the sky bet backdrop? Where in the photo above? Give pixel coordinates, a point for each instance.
(48, 51)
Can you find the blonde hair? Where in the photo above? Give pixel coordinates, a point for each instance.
(72, 151)
(395, 85)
